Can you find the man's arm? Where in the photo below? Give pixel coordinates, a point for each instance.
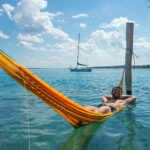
(106, 98)
(130, 99)
(126, 96)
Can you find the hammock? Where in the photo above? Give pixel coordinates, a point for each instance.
(74, 113)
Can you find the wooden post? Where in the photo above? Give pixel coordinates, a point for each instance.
(128, 58)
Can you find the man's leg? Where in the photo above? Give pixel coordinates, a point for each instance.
(100, 110)
(103, 110)
(92, 108)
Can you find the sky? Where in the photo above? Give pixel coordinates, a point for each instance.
(44, 33)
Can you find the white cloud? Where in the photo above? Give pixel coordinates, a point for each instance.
(111, 39)
(29, 16)
(27, 45)
(64, 48)
(3, 36)
(30, 46)
(8, 8)
(100, 54)
(118, 23)
(52, 15)
(31, 38)
(142, 44)
(82, 25)
(79, 16)
(141, 49)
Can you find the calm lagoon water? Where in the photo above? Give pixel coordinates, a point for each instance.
(128, 129)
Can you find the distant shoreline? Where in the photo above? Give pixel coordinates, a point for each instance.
(102, 67)
(121, 66)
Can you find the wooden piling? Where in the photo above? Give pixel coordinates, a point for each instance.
(128, 57)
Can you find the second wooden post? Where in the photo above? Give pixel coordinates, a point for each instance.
(128, 57)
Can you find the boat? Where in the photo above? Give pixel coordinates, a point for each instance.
(80, 69)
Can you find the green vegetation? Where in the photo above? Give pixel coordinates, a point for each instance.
(121, 66)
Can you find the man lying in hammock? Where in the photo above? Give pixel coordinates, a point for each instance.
(111, 103)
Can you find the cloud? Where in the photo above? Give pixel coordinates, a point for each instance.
(3, 36)
(141, 49)
(31, 38)
(118, 23)
(79, 16)
(52, 15)
(27, 45)
(142, 43)
(82, 25)
(30, 16)
(8, 8)
(30, 46)
(111, 40)
(64, 48)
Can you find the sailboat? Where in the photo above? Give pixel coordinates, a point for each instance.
(83, 69)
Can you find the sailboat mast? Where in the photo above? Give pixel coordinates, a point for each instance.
(78, 49)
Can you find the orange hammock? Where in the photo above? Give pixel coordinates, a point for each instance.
(74, 113)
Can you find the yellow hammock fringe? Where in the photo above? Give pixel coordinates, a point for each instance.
(74, 113)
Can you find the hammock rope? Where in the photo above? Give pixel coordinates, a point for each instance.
(122, 79)
(74, 113)
(27, 116)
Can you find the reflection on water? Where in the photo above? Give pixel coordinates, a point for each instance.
(130, 120)
(132, 126)
(80, 138)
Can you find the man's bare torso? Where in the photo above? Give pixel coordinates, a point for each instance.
(115, 102)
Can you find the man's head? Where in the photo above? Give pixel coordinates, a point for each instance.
(116, 92)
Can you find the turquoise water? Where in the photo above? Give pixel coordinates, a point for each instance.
(127, 130)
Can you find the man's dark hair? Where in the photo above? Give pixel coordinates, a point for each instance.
(117, 87)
